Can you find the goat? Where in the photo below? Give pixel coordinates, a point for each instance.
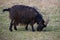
(25, 15)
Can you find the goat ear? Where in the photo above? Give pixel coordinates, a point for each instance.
(47, 20)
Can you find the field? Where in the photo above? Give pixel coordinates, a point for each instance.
(47, 8)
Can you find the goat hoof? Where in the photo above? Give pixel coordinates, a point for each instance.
(10, 30)
(39, 30)
(15, 29)
(33, 30)
(26, 29)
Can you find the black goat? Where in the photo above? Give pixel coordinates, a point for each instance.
(25, 15)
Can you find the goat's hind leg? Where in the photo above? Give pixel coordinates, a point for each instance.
(11, 23)
(15, 24)
(32, 23)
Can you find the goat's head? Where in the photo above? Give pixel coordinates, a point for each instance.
(42, 24)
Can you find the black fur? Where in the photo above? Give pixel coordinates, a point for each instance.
(25, 15)
(6, 9)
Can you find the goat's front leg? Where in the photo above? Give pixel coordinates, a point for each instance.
(32, 28)
(26, 27)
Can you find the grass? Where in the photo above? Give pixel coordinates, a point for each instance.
(51, 32)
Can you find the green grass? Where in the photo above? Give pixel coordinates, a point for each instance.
(51, 32)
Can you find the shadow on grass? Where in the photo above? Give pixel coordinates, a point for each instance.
(44, 30)
(23, 29)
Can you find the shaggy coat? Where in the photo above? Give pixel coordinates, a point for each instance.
(21, 14)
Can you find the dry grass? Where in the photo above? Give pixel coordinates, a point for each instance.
(49, 8)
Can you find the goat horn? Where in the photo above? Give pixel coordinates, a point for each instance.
(46, 22)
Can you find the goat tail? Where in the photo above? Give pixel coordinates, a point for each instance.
(6, 9)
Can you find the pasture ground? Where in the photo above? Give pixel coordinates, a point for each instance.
(52, 31)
